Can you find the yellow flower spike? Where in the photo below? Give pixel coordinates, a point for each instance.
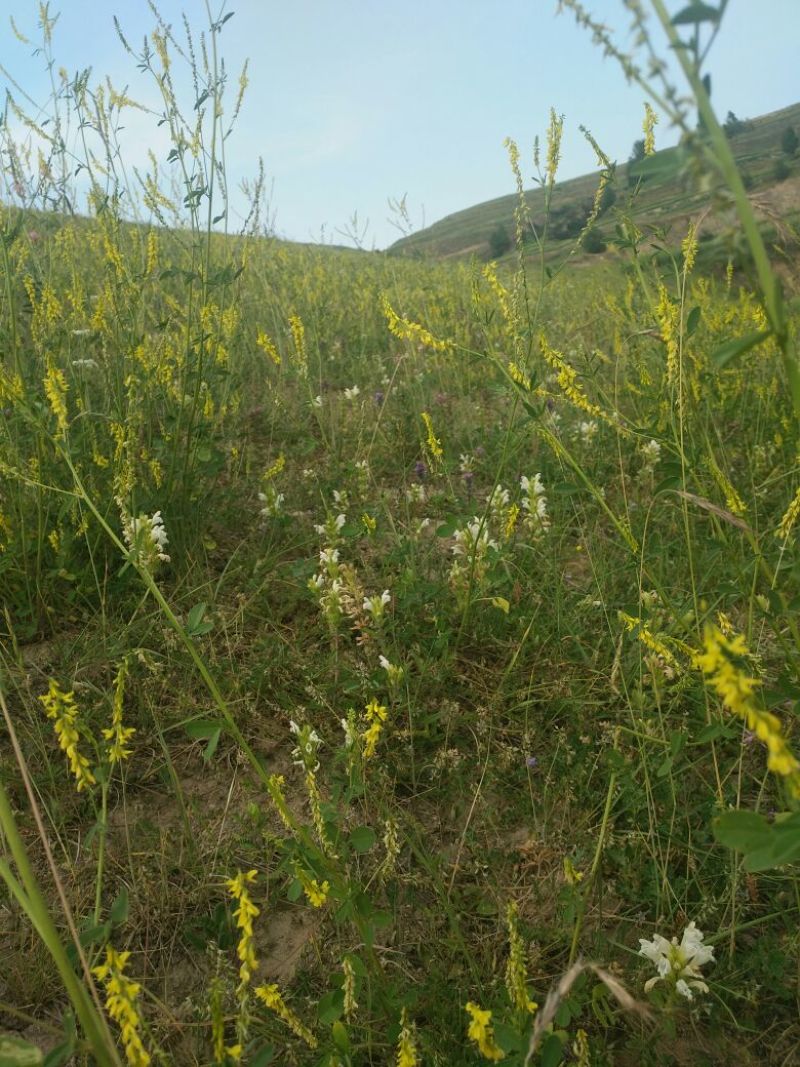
(648, 639)
(737, 691)
(789, 519)
(516, 977)
(316, 893)
(519, 377)
(412, 331)
(689, 248)
(298, 332)
(648, 128)
(432, 442)
(406, 1045)
(480, 1031)
(117, 734)
(512, 517)
(55, 387)
(62, 709)
(244, 914)
(375, 715)
(275, 786)
(567, 378)
(267, 346)
(274, 469)
(121, 997)
(315, 803)
(571, 874)
(554, 133)
(271, 996)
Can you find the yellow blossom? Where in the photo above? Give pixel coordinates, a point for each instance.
(61, 707)
(275, 787)
(298, 331)
(434, 445)
(516, 978)
(55, 387)
(667, 316)
(271, 996)
(316, 893)
(648, 639)
(406, 1045)
(567, 378)
(480, 1031)
(376, 716)
(737, 690)
(121, 996)
(571, 874)
(790, 517)
(412, 331)
(244, 914)
(648, 128)
(265, 343)
(117, 734)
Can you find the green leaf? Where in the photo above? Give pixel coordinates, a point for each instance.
(340, 1037)
(737, 346)
(362, 838)
(119, 909)
(331, 1006)
(60, 1055)
(507, 1037)
(552, 1051)
(206, 729)
(716, 730)
(693, 320)
(663, 166)
(786, 837)
(16, 1052)
(696, 12)
(742, 831)
(447, 529)
(195, 627)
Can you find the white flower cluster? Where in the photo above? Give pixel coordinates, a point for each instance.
(588, 431)
(394, 674)
(651, 454)
(352, 392)
(271, 501)
(473, 540)
(678, 963)
(328, 585)
(146, 537)
(375, 605)
(308, 745)
(497, 502)
(534, 504)
(470, 548)
(332, 526)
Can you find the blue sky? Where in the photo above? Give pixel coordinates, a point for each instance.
(355, 101)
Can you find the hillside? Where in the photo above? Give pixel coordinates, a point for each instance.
(667, 196)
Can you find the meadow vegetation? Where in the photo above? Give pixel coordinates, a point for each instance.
(399, 659)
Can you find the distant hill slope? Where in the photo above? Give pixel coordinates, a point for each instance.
(662, 199)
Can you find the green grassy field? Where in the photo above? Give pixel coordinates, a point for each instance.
(399, 659)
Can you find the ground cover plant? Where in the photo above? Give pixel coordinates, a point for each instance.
(399, 658)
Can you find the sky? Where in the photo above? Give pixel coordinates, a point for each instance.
(352, 103)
